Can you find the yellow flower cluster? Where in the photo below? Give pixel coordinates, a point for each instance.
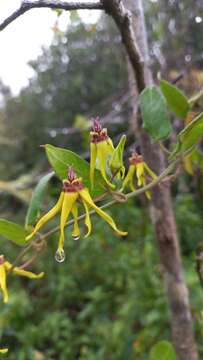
(72, 193)
(109, 161)
(104, 157)
(141, 169)
(6, 267)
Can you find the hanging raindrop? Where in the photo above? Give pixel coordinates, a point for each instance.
(60, 256)
(76, 237)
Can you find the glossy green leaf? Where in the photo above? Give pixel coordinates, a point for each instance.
(154, 113)
(163, 350)
(37, 197)
(189, 136)
(176, 100)
(60, 159)
(12, 232)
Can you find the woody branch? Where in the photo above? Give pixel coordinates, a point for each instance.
(133, 32)
(52, 4)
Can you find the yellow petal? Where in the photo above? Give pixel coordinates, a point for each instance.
(129, 178)
(93, 157)
(48, 216)
(68, 202)
(140, 173)
(188, 163)
(150, 172)
(132, 186)
(3, 282)
(87, 219)
(147, 193)
(18, 271)
(110, 146)
(87, 198)
(3, 351)
(104, 150)
(140, 181)
(76, 230)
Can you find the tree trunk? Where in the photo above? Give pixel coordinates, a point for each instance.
(133, 33)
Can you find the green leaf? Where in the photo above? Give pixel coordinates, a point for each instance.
(60, 159)
(189, 136)
(154, 113)
(13, 232)
(163, 350)
(176, 100)
(37, 197)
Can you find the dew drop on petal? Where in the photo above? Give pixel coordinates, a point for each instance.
(60, 256)
(76, 237)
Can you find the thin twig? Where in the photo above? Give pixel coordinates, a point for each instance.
(28, 262)
(123, 19)
(178, 78)
(52, 4)
(199, 264)
(20, 256)
(164, 149)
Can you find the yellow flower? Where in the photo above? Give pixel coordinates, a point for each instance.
(101, 150)
(72, 193)
(138, 166)
(5, 266)
(3, 351)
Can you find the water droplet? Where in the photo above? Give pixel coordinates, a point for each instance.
(76, 237)
(60, 256)
(198, 19)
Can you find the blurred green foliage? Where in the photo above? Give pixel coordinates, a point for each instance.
(168, 22)
(107, 300)
(79, 74)
(95, 305)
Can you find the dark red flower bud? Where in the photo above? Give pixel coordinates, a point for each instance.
(135, 158)
(96, 126)
(2, 260)
(71, 174)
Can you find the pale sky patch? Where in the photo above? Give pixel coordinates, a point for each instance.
(22, 40)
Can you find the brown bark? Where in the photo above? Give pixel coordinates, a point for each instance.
(133, 32)
(52, 4)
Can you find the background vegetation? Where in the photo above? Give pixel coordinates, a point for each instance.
(107, 300)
